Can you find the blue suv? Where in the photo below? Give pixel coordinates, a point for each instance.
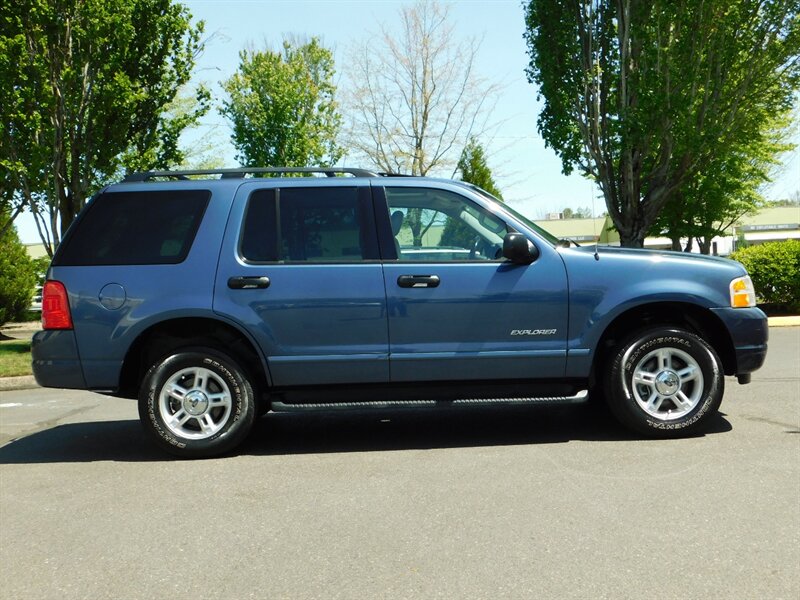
(214, 297)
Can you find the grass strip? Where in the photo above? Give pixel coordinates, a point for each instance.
(15, 358)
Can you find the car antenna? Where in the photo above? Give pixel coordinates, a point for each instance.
(596, 63)
(594, 228)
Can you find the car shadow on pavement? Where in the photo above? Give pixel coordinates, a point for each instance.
(348, 431)
(325, 432)
(83, 442)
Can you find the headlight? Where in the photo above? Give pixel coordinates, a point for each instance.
(743, 294)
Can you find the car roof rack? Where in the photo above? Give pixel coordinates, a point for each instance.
(241, 172)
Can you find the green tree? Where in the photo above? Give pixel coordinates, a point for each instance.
(580, 213)
(159, 148)
(727, 188)
(473, 169)
(83, 92)
(201, 143)
(282, 107)
(793, 201)
(643, 96)
(17, 276)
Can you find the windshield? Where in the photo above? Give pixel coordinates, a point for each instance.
(518, 216)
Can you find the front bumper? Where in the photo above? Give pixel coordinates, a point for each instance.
(55, 359)
(749, 333)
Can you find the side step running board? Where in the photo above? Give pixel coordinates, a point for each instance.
(578, 398)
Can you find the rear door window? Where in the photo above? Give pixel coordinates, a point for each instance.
(135, 228)
(296, 224)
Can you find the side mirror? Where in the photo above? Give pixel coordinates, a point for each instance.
(519, 249)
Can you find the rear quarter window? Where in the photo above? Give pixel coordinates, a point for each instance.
(135, 228)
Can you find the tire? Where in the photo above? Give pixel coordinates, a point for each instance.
(664, 382)
(197, 403)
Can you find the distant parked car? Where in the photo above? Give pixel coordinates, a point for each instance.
(36, 301)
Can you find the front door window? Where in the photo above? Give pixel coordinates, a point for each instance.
(431, 225)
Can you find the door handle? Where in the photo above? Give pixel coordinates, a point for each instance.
(418, 281)
(248, 283)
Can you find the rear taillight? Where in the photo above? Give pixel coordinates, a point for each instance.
(55, 306)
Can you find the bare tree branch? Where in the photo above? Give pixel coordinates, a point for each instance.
(415, 98)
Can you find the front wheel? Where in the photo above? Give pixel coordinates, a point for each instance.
(664, 383)
(197, 403)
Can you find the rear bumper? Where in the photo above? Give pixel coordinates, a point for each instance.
(55, 360)
(749, 332)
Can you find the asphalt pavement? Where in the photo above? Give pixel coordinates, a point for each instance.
(525, 502)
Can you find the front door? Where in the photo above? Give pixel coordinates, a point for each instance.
(457, 309)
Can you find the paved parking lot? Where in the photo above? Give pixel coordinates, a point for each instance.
(483, 503)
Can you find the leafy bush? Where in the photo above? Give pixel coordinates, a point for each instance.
(18, 275)
(775, 270)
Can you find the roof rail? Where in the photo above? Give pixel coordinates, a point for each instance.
(241, 172)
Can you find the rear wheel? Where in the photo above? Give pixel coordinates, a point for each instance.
(197, 403)
(664, 382)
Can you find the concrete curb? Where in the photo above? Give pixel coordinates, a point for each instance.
(24, 382)
(27, 382)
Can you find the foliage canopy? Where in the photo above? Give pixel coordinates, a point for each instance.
(282, 107)
(644, 96)
(725, 189)
(18, 276)
(84, 91)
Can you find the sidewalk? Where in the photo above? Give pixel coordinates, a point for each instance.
(20, 331)
(784, 321)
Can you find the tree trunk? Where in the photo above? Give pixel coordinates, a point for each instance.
(632, 237)
(629, 224)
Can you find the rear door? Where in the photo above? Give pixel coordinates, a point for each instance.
(457, 309)
(300, 270)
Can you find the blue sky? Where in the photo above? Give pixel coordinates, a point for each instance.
(528, 174)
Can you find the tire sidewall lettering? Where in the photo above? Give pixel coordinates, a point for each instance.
(629, 355)
(239, 420)
(236, 391)
(633, 359)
